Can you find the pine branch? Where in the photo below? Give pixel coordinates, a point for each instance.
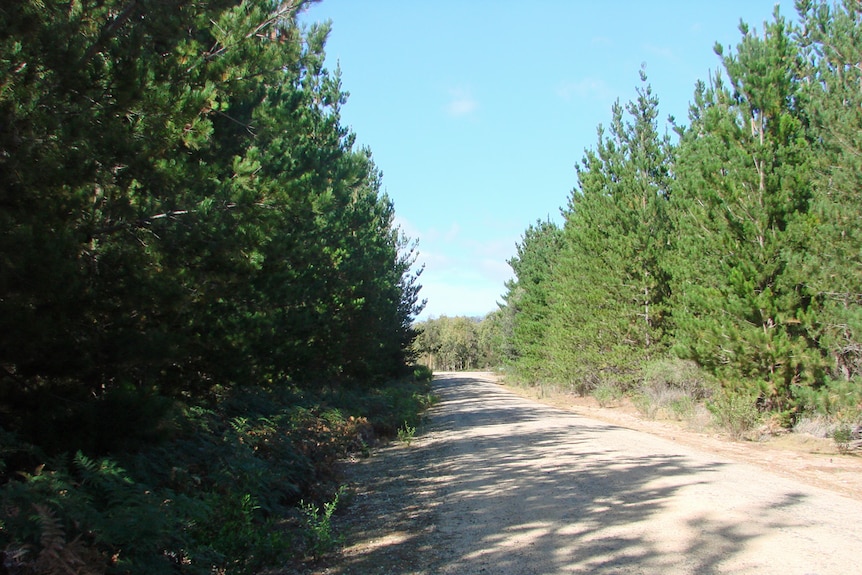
(286, 8)
(140, 223)
(144, 222)
(109, 31)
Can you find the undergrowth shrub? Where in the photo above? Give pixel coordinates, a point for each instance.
(833, 410)
(584, 383)
(836, 400)
(114, 520)
(317, 521)
(683, 408)
(645, 404)
(682, 375)
(735, 411)
(814, 424)
(673, 387)
(423, 373)
(222, 494)
(843, 438)
(406, 433)
(607, 394)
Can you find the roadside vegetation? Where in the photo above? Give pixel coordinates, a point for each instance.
(237, 485)
(713, 263)
(204, 300)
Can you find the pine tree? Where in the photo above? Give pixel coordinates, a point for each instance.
(828, 257)
(609, 290)
(182, 209)
(742, 179)
(526, 298)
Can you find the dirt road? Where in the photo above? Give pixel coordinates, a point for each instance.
(498, 484)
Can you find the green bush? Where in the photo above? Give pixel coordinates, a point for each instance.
(317, 522)
(213, 497)
(584, 383)
(679, 374)
(843, 436)
(839, 400)
(672, 386)
(406, 433)
(645, 404)
(735, 411)
(683, 407)
(607, 394)
(422, 373)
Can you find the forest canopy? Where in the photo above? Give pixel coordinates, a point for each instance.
(181, 206)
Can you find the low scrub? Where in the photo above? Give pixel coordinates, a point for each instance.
(832, 411)
(231, 491)
(607, 394)
(679, 374)
(672, 388)
(423, 373)
(320, 538)
(735, 411)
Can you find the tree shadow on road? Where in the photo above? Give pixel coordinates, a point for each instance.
(500, 485)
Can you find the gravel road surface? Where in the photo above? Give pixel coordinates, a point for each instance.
(498, 484)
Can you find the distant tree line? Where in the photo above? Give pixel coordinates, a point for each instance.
(734, 242)
(457, 343)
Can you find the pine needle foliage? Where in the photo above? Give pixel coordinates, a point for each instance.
(194, 256)
(607, 299)
(743, 180)
(184, 212)
(526, 299)
(737, 246)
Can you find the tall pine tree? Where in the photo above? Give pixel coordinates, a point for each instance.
(609, 291)
(182, 209)
(828, 256)
(526, 298)
(742, 179)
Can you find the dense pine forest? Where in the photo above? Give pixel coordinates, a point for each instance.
(723, 249)
(204, 301)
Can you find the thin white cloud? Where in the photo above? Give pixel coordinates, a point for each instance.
(586, 88)
(602, 41)
(660, 51)
(497, 270)
(453, 233)
(406, 227)
(448, 236)
(461, 103)
(458, 296)
(468, 282)
(496, 248)
(465, 270)
(436, 260)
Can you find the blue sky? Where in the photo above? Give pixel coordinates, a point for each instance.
(477, 111)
